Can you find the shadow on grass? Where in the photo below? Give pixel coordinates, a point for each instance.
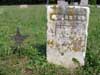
(41, 48)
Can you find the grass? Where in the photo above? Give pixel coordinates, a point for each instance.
(32, 22)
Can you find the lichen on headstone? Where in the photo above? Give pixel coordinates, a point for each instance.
(66, 34)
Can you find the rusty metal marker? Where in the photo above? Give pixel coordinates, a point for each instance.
(67, 30)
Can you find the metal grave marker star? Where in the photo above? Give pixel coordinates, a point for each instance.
(19, 39)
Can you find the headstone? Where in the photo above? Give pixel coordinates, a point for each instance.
(23, 6)
(67, 29)
(98, 6)
(84, 2)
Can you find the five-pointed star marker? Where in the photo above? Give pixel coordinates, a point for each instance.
(18, 37)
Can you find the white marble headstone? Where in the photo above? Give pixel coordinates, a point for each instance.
(23, 6)
(84, 2)
(67, 30)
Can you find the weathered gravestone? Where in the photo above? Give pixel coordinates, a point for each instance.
(81, 2)
(67, 34)
(23, 6)
(84, 2)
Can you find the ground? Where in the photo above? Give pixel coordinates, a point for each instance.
(32, 60)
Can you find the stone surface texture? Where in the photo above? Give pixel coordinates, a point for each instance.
(67, 29)
(84, 2)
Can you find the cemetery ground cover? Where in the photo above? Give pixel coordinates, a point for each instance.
(32, 60)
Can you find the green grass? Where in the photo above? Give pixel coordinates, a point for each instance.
(32, 22)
